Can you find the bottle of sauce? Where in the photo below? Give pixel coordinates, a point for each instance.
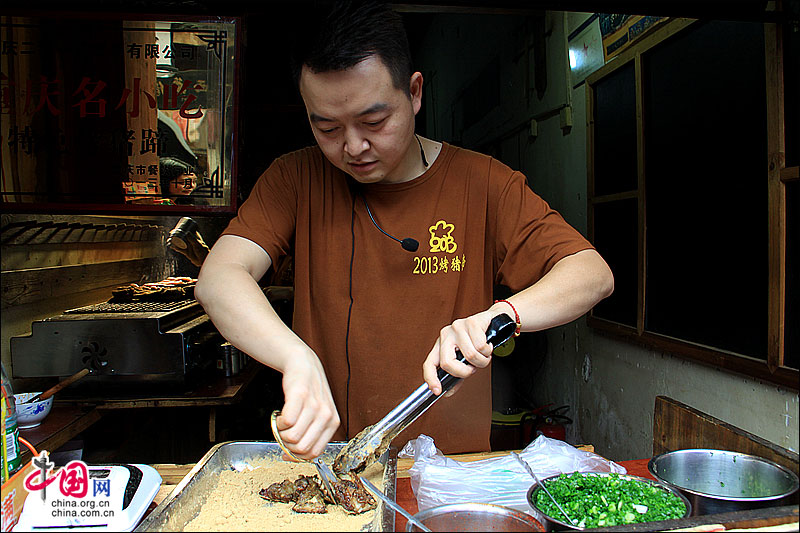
(8, 412)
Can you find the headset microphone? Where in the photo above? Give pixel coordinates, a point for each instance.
(408, 243)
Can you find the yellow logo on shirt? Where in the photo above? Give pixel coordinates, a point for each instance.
(441, 238)
(441, 241)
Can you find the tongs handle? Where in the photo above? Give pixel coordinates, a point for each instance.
(501, 328)
(368, 445)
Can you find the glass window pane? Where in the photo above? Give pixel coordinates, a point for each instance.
(615, 132)
(616, 239)
(707, 235)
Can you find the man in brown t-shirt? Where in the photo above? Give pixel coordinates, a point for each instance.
(373, 318)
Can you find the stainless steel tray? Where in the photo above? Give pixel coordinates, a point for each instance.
(184, 502)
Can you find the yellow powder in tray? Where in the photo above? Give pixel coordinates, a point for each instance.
(234, 504)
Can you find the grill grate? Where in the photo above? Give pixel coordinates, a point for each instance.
(131, 307)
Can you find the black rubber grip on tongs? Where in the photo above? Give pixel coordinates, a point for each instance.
(501, 328)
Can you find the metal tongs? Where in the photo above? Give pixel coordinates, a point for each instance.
(366, 447)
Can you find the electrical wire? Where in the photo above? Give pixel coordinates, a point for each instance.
(349, 316)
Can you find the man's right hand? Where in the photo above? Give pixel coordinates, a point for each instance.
(228, 291)
(309, 418)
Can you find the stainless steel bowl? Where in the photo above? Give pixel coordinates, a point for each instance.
(718, 481)
(475, 517)
(552, 523)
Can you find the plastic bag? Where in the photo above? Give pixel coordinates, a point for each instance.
(437, 480)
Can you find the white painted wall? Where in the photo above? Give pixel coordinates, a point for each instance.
(610, 385)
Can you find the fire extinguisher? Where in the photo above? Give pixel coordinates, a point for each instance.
(551, 424)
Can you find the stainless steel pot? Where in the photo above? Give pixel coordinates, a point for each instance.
(475, 517)
(719, 481)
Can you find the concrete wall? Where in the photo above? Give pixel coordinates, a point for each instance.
(609, 384)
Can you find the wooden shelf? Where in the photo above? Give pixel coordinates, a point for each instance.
(214, 390)
(62, 424)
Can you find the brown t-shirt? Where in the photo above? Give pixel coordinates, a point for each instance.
(478, 224)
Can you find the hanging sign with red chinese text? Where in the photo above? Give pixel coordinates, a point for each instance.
(107, 112)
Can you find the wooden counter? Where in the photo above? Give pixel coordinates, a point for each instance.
(173, 474)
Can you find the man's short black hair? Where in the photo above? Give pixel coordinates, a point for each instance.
(350, 32)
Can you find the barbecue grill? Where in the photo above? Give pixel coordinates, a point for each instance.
(120, 342)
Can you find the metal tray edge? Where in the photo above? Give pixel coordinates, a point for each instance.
(390, 486)
(165, 503)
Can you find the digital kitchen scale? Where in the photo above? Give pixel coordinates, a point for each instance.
(125, 492)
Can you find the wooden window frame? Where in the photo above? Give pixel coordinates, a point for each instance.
(772, 370)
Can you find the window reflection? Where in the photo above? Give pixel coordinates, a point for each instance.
(92, 109)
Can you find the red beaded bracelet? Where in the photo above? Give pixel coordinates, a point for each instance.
(516, 316)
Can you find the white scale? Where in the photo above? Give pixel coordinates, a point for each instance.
(131, 491)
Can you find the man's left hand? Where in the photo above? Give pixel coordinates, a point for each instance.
(468, 335)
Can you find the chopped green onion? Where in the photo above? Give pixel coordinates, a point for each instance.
(608, 500)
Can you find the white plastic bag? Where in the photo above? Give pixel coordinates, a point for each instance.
(437, 480)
